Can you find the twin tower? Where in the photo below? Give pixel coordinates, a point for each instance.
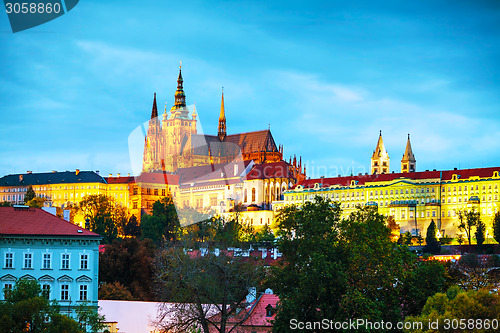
(380, 158)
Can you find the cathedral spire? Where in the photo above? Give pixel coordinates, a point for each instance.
(408, 162)
(222, 120)
(154, 112)
(180, 97)
(380, 158)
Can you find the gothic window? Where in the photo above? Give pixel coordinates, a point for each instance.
(253, 194)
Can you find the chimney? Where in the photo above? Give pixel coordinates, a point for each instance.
(128, 174)
(110, 175)
(77, 172)
(97, 171)
(20, 178)
(54, 171)
(252, 294)
(29, 172)
(118, 174)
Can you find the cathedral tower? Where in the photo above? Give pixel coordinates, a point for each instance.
(222, 120)
(153, 145)
(408, 162)
(380, 158)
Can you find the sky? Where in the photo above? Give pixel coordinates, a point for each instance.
(324, 76)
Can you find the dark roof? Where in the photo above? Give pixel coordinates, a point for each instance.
(447, 175)
(270, 170)
(37, 222)
(65, 177)
(247, 143)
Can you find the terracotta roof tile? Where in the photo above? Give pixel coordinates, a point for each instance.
(37, 222)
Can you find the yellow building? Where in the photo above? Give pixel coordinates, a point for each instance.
(412, 198)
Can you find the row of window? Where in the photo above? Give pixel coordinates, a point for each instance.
(46, 291)
(46, 260)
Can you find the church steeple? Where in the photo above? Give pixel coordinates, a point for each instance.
(154, 112)
(380, 158)
(180, 97)
(408, 162)
(222, 120)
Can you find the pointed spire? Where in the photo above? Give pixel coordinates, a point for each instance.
(222, 119)
(408, 155)
(154, 112)
(408, 162)
(380, 149)
(180, 97)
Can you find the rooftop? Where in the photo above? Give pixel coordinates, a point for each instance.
(24, 221)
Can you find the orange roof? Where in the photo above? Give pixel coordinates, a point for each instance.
(16, 221)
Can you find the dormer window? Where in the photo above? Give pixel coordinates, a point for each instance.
(269, 310)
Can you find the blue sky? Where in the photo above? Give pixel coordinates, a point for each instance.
(326, 76)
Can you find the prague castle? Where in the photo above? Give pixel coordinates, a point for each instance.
(211, 173)
(214, 173)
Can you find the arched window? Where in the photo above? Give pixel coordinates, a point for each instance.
(253, 194)
(245, 195)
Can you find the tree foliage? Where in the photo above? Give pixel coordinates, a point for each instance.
(468, 220)
(130, 263)
(432, 244)
(209, 290)
(115, 291)
(163, 225)
(30, 194)
(25, 309)
(105, 217)
(341, 269)
(460, 306)
(480, 232)
(496, 227)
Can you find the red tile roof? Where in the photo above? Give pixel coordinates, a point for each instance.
(37, 222)
(120, 180)
(255, 314)
(446, 175)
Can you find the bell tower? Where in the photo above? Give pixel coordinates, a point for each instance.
(408, 162)
(380, 158)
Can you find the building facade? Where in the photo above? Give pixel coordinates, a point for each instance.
(413, 198)
(61, 256)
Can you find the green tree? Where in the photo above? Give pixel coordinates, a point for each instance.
(37, 202)
(30, 194)
(480, 232)
(103, 214)
(132, 227)
(432, 244)
(5, 204)
(468, 220)
(460, 306)
(203, 286)
(265, 235)
(25, 309)
(89, 318)
(341, 269)
(496, 227)
(163, 225)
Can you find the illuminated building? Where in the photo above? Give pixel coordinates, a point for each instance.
(413, 198)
